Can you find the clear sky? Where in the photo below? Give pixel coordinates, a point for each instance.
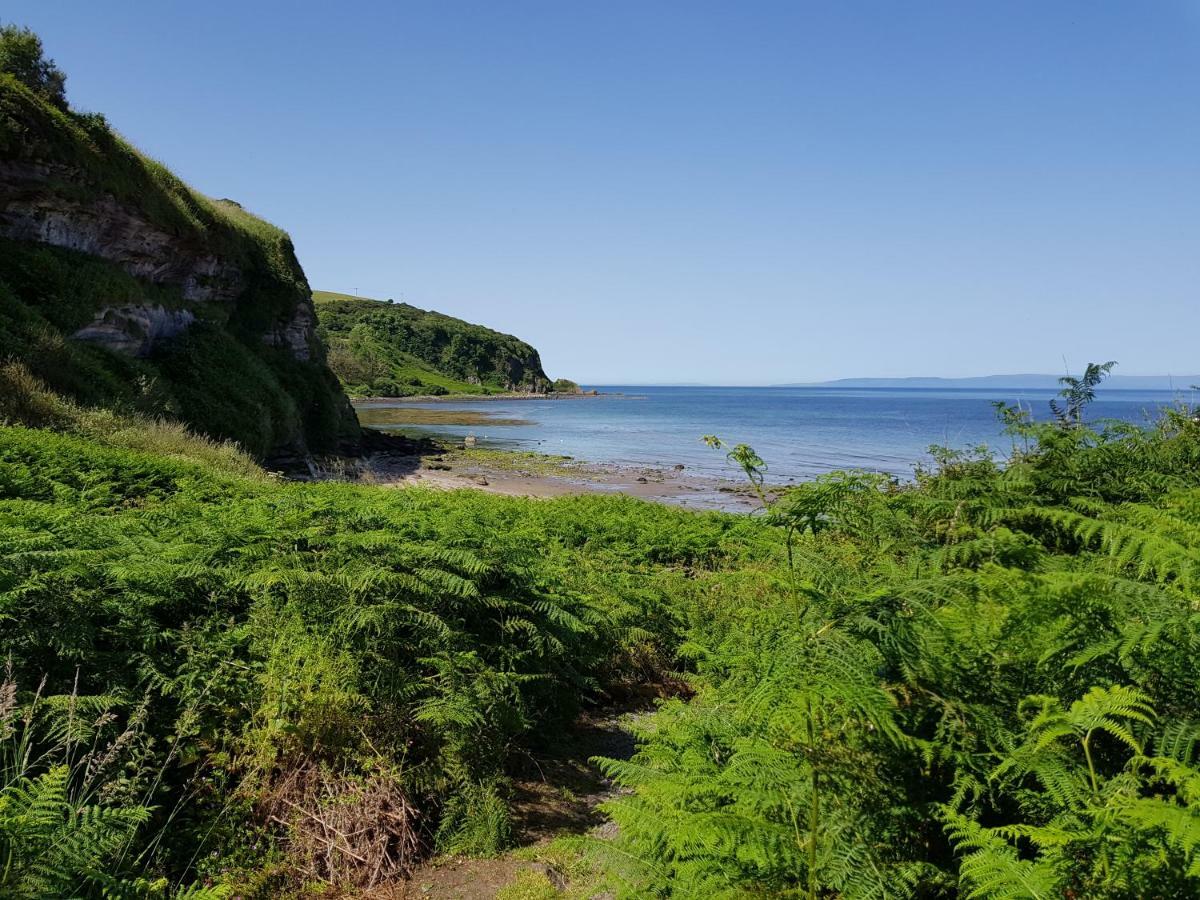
(734, 192)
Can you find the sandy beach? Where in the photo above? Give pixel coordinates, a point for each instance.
(452, 463)
(524, 474)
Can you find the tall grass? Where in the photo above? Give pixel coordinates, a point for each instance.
(26, 400)
(72, 768)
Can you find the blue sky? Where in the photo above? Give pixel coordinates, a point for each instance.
(700, 192)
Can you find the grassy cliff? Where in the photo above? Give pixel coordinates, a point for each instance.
(379, 348)
(122, 287)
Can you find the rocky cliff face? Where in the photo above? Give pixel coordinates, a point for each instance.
(51, 203)
(48, 202)
(297, 334)
(135, 330)
(109, 250)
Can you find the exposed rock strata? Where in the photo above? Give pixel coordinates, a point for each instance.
(49, 203)
(297, 334)
(135, 330)
(36, 204)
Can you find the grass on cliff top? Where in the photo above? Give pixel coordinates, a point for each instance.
(89, 159)
(429, 317)
(418, 373)
(320, 297)
(39, 131)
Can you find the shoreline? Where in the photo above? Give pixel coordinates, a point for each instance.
(519, 473)
(449, 462)
(455, 398)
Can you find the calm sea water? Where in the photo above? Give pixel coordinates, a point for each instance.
(800, 432)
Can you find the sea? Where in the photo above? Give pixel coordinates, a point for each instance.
(800, 432)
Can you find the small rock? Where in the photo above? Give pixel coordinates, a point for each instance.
(679, 467)
(479, 479)
(642, 480)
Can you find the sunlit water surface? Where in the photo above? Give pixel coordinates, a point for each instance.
(800, 432)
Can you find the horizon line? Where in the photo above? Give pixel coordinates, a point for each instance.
(1187, 382)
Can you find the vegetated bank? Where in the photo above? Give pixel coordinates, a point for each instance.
(982, 684)
(379, 348)
(251, 656)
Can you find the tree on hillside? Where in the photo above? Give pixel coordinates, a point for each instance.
(22, 56)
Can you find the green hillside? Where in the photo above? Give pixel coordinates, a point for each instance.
(121, 286)
(379, 348)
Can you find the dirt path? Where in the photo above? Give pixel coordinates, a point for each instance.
(561, 793)
(555, 794)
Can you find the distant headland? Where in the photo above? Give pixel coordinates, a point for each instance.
(1025, 381)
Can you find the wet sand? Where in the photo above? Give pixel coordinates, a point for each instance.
(532, 475)
(518, 473)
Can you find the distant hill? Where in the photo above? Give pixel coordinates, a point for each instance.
(380, 348)
(1026, 381)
